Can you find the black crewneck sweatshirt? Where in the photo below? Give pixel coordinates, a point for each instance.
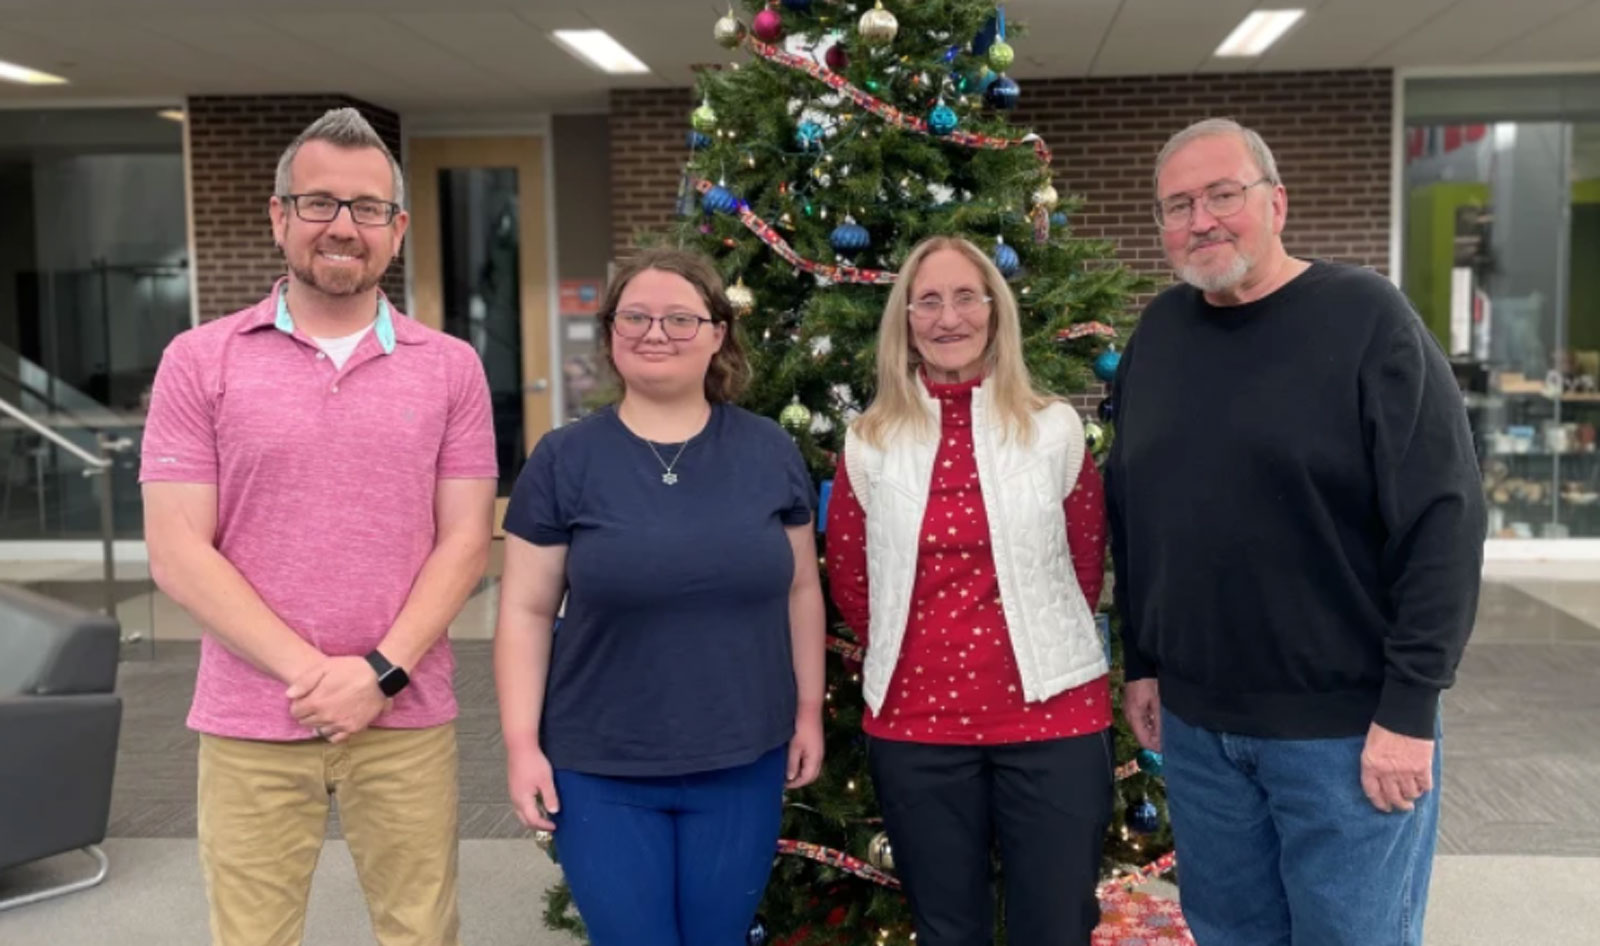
(1297, 519)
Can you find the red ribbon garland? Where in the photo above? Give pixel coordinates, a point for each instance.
(888, 112)
(838, 859)
(1155, 868)
(840, 273)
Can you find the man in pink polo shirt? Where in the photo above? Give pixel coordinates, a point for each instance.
(319, 476)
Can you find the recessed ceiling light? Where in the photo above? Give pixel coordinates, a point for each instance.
(601, 51)
(11, 72)
(1258, 31)
(172, 114)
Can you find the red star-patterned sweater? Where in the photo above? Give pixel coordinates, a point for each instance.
(956, 681)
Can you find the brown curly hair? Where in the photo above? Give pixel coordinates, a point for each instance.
(729, 371)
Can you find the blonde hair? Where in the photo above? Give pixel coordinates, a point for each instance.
(898, 407)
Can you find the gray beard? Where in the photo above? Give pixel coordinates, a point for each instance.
(1213, 281)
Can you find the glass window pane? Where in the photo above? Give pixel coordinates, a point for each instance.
(94, 282)
(482, 289)
(1497, 234)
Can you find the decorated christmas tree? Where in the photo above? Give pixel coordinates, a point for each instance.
(841, 136)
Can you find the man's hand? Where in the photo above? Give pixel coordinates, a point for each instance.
(805, 750)
(1141, 704)
(1396, 770)
(338, 698)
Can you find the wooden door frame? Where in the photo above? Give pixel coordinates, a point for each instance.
(529, 155)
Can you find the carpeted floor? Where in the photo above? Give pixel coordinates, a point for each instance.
(1519, 838)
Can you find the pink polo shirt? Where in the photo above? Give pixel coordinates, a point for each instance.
(325, 489)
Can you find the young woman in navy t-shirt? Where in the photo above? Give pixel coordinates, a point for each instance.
(656, 730)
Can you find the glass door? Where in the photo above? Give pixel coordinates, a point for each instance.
(1500, 250)
(480, 272)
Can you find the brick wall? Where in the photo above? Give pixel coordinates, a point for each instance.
(234, 146)
(1330, 132)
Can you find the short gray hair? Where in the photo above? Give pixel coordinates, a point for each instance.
(344, 128)
(1213, 127)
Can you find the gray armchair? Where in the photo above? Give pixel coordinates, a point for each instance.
(59, 719)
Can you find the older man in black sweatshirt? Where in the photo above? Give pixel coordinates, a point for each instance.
(1297, 525)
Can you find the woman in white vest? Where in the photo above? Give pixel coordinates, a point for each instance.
(966, 542)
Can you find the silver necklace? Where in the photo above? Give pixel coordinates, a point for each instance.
(667, 476)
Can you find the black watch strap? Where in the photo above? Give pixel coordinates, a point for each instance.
(391, 679)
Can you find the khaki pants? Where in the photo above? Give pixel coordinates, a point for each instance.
(264, 812)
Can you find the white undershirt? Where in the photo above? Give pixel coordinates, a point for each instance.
(340, 349)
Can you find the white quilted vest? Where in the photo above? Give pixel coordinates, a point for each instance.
(1051, 626)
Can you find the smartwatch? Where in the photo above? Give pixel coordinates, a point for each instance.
(391, 679)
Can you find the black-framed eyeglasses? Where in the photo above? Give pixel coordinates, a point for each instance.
(1222, 199)
(321, 208)
(678, 326)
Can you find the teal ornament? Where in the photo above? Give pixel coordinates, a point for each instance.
(808, 135)
(942, 120)
(1105, 366)
(1006, 260)
(1003, 94)
(720, 200)
(1149, 762)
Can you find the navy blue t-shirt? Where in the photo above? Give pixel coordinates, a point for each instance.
(673, 655)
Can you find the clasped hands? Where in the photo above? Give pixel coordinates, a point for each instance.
(337, 698)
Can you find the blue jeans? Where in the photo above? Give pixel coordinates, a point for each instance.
(1278, 845)
(672, 861)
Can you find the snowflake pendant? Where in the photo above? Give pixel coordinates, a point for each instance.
(669, 478)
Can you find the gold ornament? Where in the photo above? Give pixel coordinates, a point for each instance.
(1001, 56)
(1046, 197)
(729, 31)
(704, 119)
(795, 418)
(741, 299)
(879, 853)
(878, 26)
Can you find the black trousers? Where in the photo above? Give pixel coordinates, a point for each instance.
(1047, 804)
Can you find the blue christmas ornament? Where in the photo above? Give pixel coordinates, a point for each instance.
(987, 34)
(1105, 366)
(1006, 260)
(1107, 410)
(1058, 219)
(757, 935)
(808, 135)
(942, 120)
(951, 54)
(699, 141)
(798, 6)
(720, 200)
(1144, 817)
(1149, 762)
(1003, 94)
(849, 238)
